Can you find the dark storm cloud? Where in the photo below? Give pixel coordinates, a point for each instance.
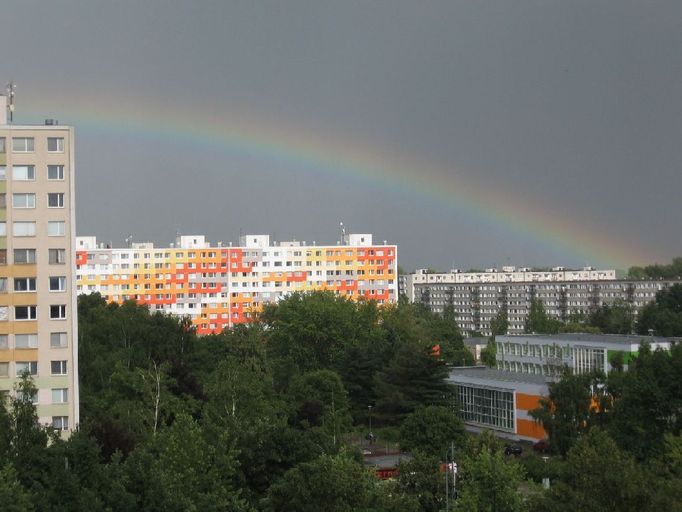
(573, 107)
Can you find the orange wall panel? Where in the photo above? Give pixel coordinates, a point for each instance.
(527, 402)
(530, 428)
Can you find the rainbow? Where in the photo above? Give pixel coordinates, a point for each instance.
(236, 133)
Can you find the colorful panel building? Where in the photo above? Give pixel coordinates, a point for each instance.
(38, 327)
(218, 287)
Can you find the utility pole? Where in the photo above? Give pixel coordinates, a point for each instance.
(450, 469)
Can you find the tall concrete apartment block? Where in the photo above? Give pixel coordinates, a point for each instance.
(477, 297)
(38, 328)
(218, 286)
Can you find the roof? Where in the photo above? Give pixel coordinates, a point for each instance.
(479, 340)
(498, 376)
(625, 339)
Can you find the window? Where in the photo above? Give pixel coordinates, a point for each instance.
(3, 200)
(23, 173)
(60, 422)
(4, 369)
(25, 312)
(55, 172)
(55, 200)
(23, 200)
(56, 228)
(33, 398)
(22, 144)
(3, 173)
(55, 144)
(58, 339)
(25, 341)
(24, 256)
(58, 367)
(57, 283)
(24, 229)
(27, 366)
(2, 144)
(58, 311)
(24, 284)
(3, 229)
(60, 396)
(4, 313)
(3, 342)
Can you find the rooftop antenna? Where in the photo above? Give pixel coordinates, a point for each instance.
(129, 241)
(343, 232)
(11, 92)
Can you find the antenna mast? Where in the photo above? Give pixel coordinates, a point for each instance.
(343, 233)
(11, 92)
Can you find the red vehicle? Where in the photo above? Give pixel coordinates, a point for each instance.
(542, 446)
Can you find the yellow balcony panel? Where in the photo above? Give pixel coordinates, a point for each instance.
(53, 410)
(29, 327)
(21, 299)
(26, 354)
(57, 381)
(18, 270)
(6, 355)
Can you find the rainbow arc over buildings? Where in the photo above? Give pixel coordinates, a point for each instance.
(283, 142)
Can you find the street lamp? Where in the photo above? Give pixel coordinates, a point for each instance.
(371, 436)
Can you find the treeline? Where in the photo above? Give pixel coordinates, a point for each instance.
(270, 417)
(618, 436)
(262, 417)
(657, 271)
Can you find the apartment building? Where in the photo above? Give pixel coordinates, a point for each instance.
(477, 297)
(38, 327)
(218, 286)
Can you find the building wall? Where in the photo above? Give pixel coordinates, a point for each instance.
(477, 304)
(501, 406)
(218, 287)
(33, 226)
(548, 355)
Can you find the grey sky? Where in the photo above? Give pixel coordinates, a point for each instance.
(572, 107)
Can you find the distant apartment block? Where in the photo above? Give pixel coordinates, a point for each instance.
(218, 286)
(38, 327)
(477, 297)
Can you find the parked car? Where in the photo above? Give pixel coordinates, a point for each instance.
(513, 449)
(542, 446)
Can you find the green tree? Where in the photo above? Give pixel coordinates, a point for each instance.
(599, 477)
(413, 378)
(500, 323)
(538, 321)
(334, 483)
(13, 496)
(616, 318)
(489, 353)
(320, 400)
(650, 401)
(431, 430)
(663, 316)
(185, 468)
(421, 480)
(671, 271)
(571, 409)
(487, 481)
